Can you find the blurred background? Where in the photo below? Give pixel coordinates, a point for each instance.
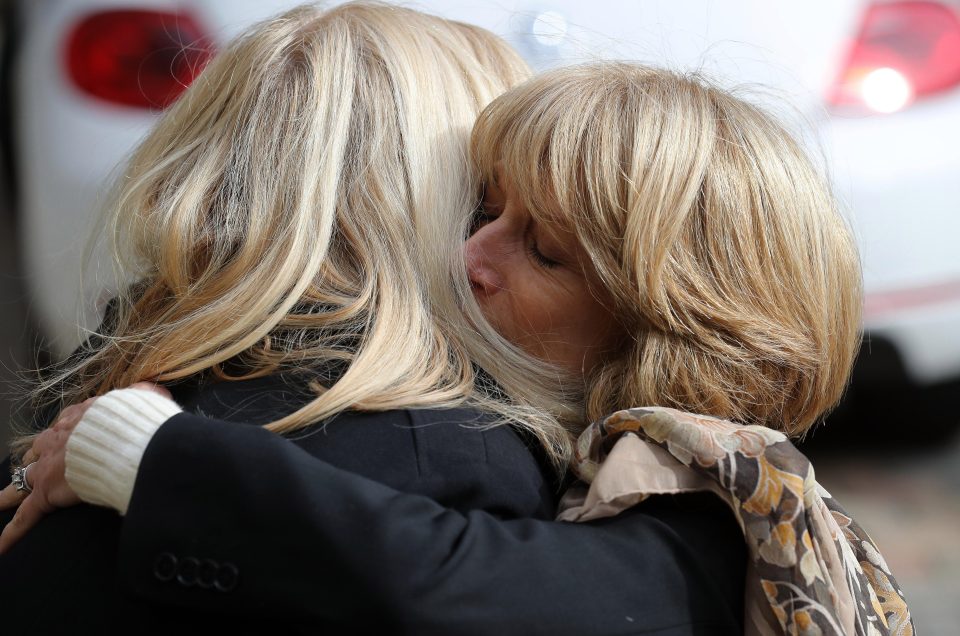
(872, 86)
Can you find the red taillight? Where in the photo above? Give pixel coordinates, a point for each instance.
(136, 58)
(904, 50)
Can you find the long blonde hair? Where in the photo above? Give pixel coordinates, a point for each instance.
(719, 240)
(303, 204)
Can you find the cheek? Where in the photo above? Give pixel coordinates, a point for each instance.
(602, 331)
(523, 310)
(549, 317)
(584, 331)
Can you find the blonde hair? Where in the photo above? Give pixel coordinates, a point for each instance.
(303, 205)
(731, 270)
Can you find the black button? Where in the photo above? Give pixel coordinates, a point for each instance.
(165, 567)
(187, 572)
(227, 577)
(207, 574)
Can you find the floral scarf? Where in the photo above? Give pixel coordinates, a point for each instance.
(812, 569)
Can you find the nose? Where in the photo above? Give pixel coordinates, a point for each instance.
(483, 274)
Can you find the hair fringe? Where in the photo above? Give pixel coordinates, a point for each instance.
(732, 271)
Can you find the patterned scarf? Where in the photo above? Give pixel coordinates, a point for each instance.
(812, 570)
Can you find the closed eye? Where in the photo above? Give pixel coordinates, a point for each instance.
(540, 259)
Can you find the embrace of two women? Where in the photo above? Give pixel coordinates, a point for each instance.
(417, 343)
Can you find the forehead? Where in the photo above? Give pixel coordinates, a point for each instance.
(548, 226)
(537, 199)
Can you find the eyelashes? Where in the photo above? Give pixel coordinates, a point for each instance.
(539, 258)
(482, 215)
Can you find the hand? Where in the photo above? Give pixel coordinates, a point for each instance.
(47, 473)
(46, 476)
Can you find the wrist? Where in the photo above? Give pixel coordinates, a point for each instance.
(105, 449)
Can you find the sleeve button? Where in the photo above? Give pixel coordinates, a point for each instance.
(165, 566)
(227, 577)
(187, 572)
(207, 573)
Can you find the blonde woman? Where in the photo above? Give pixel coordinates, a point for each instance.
(294, 226)
(657, 241)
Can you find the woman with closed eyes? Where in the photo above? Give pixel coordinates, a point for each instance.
(654, 242)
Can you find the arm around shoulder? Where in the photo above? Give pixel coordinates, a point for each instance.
(105, 449)
(298, 539)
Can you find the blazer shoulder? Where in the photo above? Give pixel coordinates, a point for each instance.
(446, 437)
(491, 461)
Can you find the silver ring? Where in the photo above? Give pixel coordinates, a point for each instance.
(19, 478)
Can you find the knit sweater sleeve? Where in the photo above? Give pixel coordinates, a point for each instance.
(104, 451)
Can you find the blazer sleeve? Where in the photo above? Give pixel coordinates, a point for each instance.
(298, 539)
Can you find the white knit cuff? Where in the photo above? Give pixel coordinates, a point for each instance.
(105, 449)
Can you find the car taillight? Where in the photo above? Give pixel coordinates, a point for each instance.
(904, 51)
(143, 59)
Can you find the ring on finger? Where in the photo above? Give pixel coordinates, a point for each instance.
(19, 478)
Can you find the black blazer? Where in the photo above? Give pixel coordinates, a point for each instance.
(332, 551)
(445, 454)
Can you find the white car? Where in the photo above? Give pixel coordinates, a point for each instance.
(877, 85)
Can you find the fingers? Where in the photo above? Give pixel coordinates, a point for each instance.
(71, 416)
(44, 443)
(10, 497)
(66, 421)
(46, 476)
(28, 514)
(29, 457)
(50, 491)
(49, 443)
